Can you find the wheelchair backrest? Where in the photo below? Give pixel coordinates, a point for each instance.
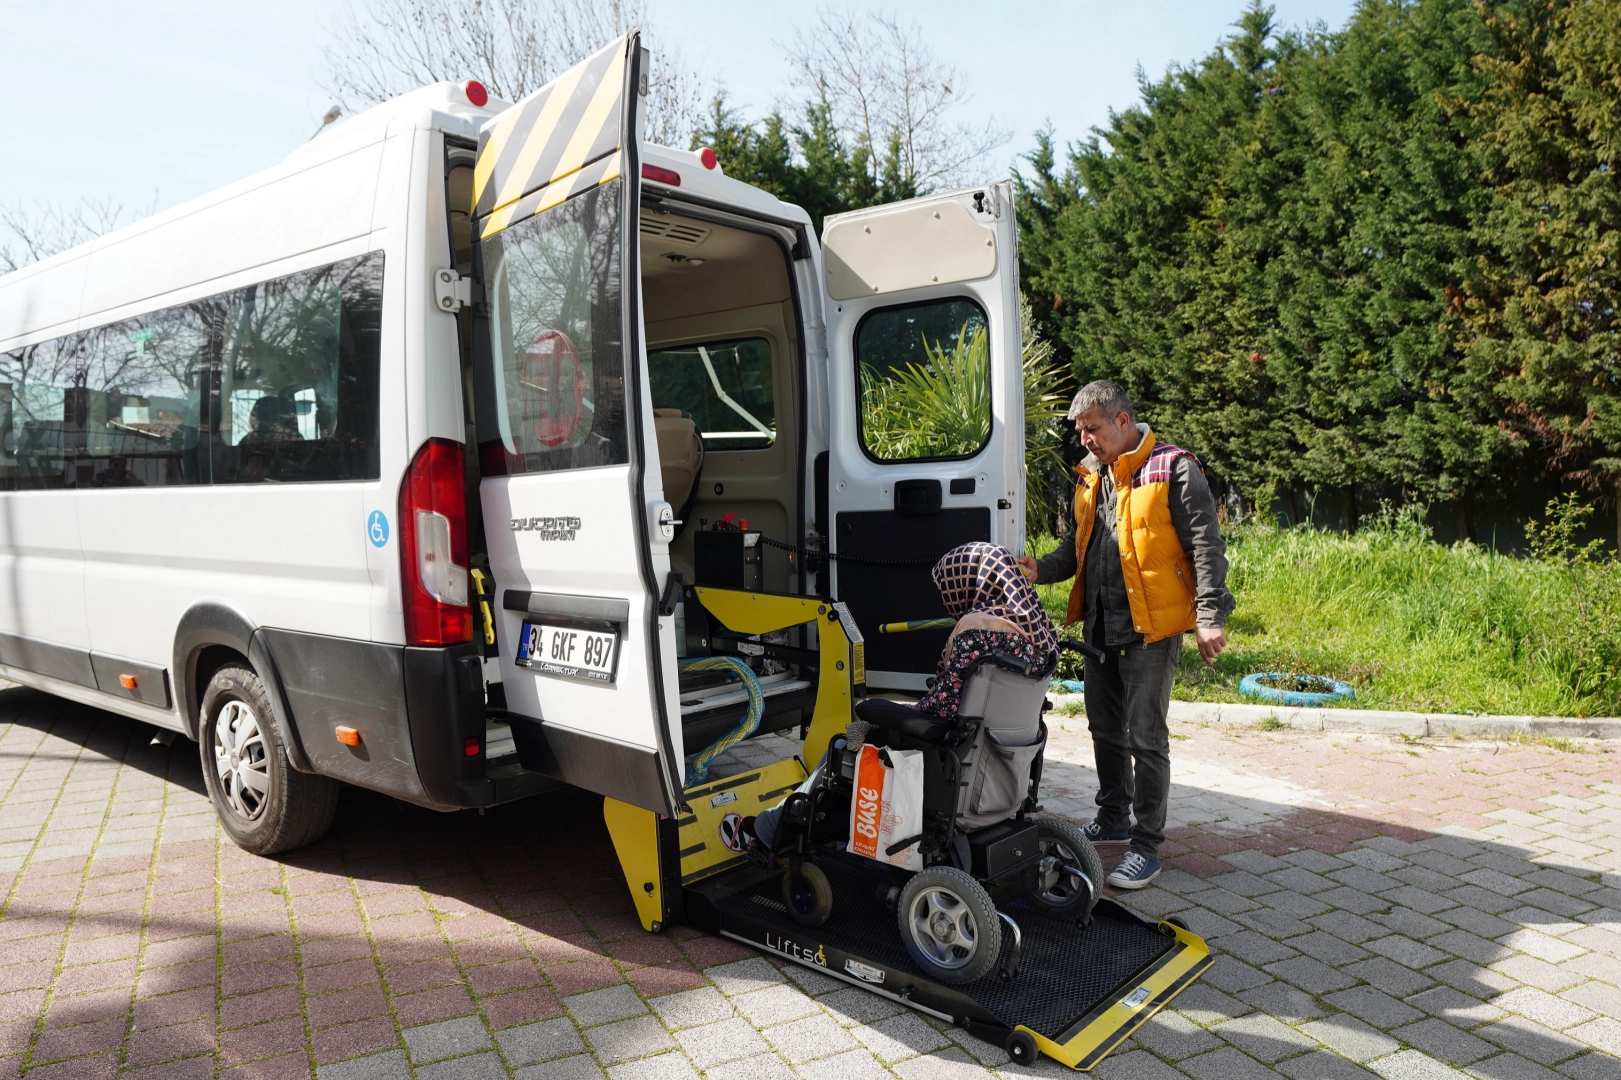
(1007, 703)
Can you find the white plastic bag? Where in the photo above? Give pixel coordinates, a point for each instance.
(887, 807)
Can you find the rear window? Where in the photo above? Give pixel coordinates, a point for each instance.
(556, 346)
(923, 373)
(726, 387)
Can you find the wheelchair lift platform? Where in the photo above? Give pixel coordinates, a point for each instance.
(1077, 991)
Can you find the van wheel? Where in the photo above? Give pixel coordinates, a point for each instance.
(263, 803)
(949, 925)
(1065, 849)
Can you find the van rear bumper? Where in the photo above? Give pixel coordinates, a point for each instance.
(415, 708)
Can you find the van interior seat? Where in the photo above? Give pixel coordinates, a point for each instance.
(681, 454)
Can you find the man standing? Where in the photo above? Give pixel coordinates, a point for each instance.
(1149, 565)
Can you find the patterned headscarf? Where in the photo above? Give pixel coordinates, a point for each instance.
(985, 577)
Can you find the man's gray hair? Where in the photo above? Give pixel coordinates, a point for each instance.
(1104, 394)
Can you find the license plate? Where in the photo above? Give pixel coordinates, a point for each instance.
(569, 652)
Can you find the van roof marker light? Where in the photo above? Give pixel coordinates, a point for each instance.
(476, 93)
(662, 175)
(707, 156)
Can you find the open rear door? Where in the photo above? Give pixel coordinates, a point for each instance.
(927, 431)
(575, 540)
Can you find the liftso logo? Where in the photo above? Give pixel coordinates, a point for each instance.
(795, 951)
(548, 528)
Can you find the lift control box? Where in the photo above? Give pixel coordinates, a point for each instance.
(727, 559)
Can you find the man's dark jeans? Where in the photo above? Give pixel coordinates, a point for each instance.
(1127, 699)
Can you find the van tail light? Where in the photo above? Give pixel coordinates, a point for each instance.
(433, 547)
(661, 174)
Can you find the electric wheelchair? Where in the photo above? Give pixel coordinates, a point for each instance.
(980, 841)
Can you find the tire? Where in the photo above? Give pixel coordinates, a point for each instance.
(810, 898)
(262, 802)
(949, 925)
(1021, 1047)
(1062, 894)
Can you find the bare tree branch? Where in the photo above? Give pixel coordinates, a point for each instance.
(883, 83)
(514, 47)
(30, 232)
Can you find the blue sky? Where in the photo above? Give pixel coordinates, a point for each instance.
(158, 101)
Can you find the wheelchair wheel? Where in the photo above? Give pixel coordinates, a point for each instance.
(808, 895)
(949, 925)
(1062, 892)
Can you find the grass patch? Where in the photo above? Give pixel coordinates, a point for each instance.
(1271, 723)
(1553, 742)
(1412, 624)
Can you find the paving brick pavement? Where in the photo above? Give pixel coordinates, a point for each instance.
(1380, 908)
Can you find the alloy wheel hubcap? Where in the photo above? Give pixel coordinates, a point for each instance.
(1060, 881)
(943, 927)
(241, 761)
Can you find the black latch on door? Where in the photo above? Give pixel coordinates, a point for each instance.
(917, 498)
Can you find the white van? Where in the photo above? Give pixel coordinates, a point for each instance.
(349, 468)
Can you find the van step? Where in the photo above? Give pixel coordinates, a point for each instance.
(498, 740)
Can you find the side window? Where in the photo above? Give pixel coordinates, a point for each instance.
(275, 382)
(725, 387)
(923, 374)
(39, 388)
(136, 421)
(558, 377)
(297, 378)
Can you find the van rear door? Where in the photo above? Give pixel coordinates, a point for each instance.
(564, 424)
(927, 407)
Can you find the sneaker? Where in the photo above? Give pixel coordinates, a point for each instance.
(1134, 871)
(1099, 835)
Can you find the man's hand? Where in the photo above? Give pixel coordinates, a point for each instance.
(1028, 565)
(1211, 642)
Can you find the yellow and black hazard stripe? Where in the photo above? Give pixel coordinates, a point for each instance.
(1107, 1025)
(563, 139)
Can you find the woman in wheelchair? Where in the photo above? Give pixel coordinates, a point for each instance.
(981, 735)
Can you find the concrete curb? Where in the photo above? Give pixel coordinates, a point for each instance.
(1378, 722)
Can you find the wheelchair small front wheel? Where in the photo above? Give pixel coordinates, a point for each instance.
(1064, 850)
(807, 894)
(949, 925)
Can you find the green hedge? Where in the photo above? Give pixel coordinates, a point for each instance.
(1413, 624)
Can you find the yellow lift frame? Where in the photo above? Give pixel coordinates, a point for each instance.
(660, 859)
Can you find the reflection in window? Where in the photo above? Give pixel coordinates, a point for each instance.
(558, 378)
(297, 378)
(925, 381)
(147, 401)
(725, 387)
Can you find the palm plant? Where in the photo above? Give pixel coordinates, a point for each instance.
(1047, 383)
(941, 408)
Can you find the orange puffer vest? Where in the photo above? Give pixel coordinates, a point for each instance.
(1158, 573)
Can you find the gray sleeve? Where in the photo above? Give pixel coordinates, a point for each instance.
(1193, 513)
(1058, 564)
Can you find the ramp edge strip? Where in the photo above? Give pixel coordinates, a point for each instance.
(1090, 1039)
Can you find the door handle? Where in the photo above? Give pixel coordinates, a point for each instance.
(672, 592)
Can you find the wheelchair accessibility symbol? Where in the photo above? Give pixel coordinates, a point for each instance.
(731, 832)
(377, 528)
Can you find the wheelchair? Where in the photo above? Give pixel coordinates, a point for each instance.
(981, 841)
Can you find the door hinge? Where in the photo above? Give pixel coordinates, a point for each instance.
(451, 291)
